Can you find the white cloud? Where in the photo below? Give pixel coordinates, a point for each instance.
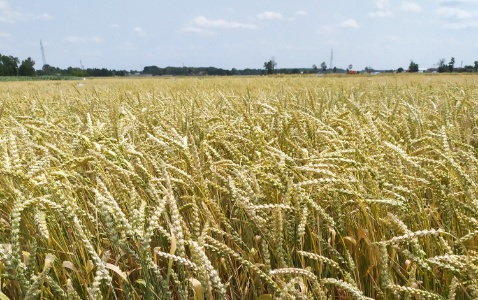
(45, 16)
(461, 25)
(5, 35)
(126, 47)
(329, 29)
(140, 31)
(80, 39)
(452, 2)
(326, 29)
(410, 7)
(457, 13)
(201, 24)
(269, 15)
(382, 9)
(8, 15)
(300, 13)
(197, 30)
(350, 23)
(380, 14)
(202, 21)
(4, 5)
(382, 4)
(457, 18)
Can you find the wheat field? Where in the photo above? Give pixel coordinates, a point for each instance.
(240, 188)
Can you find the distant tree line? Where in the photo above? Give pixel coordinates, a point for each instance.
(450, 67)
(11, 66)
(193, 71)
(443, 67)
(269, 68)
(48, 70)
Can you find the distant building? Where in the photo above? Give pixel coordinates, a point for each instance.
(137, 74)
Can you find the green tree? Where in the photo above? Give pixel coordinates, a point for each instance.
(323, 65)
(468, 69)
(270, 66)
(369, 69)
(451, 64)
(476, 65)
(441, 65)
(26, 68)
(88, 72)
(413, 67)
(153, 70)
(314, 68)
(50, 70)
(8, 65)
(400, 70)
(335, 69)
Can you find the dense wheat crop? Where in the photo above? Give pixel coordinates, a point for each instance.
(240, 188)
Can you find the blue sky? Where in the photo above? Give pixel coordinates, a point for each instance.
(383, 34)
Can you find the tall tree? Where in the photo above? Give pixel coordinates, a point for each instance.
(413, 67)
(323, 65)
(26, 68)
(441, 65)
(8, 65)
(451, 64)
(270, 66)
(476, 65)
(314, 68)
(50, 70)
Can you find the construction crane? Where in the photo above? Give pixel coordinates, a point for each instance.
(42, 53)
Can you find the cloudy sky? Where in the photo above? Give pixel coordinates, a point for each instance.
(383, 34)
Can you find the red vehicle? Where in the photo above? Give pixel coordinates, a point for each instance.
(352, 72)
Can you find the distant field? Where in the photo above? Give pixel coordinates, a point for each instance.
(347, 187)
